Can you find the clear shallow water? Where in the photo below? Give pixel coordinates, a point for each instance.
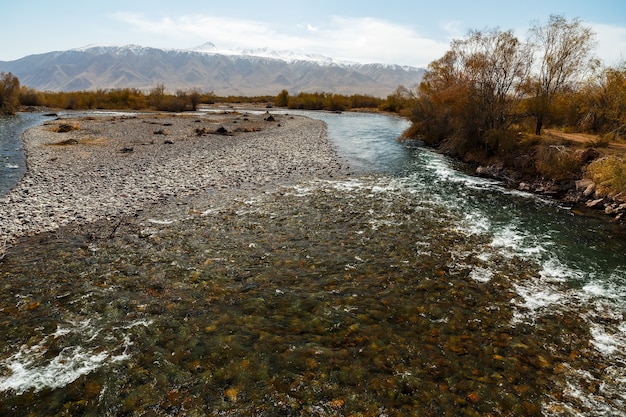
(409, 289)
(12, 162)
(371, 146)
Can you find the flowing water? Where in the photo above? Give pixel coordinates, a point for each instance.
(12, 161)
(410, 288)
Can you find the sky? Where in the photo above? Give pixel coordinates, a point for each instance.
(410, 32)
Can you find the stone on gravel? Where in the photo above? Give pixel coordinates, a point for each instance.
(116, 169)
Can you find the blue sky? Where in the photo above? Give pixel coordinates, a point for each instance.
(408, 32)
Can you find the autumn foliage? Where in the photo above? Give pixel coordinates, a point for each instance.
(160, 99)
(9, 93)
(116, 99)
(489, 98)
(326, 101)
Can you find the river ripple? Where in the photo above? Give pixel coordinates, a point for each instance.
(386, 294)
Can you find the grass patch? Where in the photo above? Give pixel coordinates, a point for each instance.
(82, 141)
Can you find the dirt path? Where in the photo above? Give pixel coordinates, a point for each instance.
(583, 138)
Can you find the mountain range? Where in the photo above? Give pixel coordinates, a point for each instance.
(207, 68)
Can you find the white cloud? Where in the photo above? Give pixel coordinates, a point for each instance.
(453, 29)
(354, 39)
(611, 43)
(226, 31)
(375, 40)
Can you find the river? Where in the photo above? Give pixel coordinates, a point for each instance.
(411, 288)
(12, 161)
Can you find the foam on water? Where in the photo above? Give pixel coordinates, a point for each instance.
(475, 223)
(509, 239)
(607, 343)
(553, 270)
(534, 301)
(599, 304)
(31, 367)
(481, 274)
(347, 186)
(301, 190)
(65, 368)
(563, 284)
(576, 400)
(604, 289)
(443, 172)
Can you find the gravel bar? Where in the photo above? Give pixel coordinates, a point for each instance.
(84, 169)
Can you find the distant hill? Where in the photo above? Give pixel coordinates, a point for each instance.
(248, 72)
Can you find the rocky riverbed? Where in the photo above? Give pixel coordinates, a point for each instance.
(210, 265)
(89, 168)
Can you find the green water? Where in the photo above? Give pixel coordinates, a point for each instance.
(407, 290)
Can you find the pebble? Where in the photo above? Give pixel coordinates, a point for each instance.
(81, 176)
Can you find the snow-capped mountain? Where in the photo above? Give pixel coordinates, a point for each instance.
(226, 72)
(284, 55)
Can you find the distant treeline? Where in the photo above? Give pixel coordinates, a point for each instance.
(186, 100)
(117, 99)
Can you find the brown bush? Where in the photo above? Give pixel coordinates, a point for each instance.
(558, 162)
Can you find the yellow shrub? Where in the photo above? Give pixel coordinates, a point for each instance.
(609, 174)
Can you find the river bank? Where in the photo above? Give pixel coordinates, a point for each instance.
(556, 165)
(83, 169)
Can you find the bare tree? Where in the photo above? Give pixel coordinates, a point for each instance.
(495, 63)
(565, 53)
(472, 91)
(157, 95)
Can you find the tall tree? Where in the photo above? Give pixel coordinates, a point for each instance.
(282, 99)
(9, 93)
(494, 63)
(472, 89)
(564, 55)
(602, 102)
(439, 102)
